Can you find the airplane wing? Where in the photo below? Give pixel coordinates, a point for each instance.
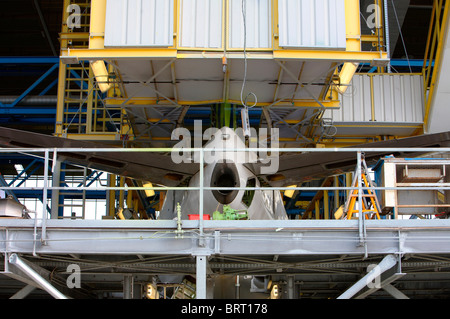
(150, 166)
(160, 169)
(297, 168)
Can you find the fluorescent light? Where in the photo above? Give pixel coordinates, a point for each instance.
(101, 75)
(346, 75)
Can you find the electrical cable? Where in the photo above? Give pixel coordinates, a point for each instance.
(244, 101)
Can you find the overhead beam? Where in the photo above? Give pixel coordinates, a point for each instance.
(202, 263)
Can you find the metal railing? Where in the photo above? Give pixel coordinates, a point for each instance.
(50, 155)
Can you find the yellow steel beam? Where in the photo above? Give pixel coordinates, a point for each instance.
(60, 100)
(117, 53)
(326, 206)
(111, 207)
(98, 21)
(369, 38)
(161, 53)
(353, 25)
(94, 137)
(152, 101)
(317, 209)
(62, 77)
(338, 56)
(74, 36)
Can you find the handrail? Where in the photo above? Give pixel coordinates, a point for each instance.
(47, 152)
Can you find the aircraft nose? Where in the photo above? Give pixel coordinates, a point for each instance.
(225, 176)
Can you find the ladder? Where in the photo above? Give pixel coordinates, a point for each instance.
(370, 205)
(81, 109)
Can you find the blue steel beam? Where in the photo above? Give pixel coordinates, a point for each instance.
(37, 194)
(31, 88)
(29, 60)
(32, 111)
(23, 172)
(402, 63)
(4, 184)
(49, 87)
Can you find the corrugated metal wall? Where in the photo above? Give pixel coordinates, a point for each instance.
(201, 24)
(396, 99)
(302, 23)
(258, 24)
(312, 23)
(139, 23)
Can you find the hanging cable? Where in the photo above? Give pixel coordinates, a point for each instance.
(245, 100)
(244, 113)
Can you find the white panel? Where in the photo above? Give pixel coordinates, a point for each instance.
(201, 24)
(139, 23)
(258, 24)
(312, 23)
(397, 99)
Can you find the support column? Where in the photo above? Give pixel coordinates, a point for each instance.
(202, 262)
(291, 287)
(59, 127)
(326, 206)
(98, 22)
(57, 199)
(128, 286)
(111, 197)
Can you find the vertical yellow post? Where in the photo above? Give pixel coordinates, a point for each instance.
(135, 204)
(62, 76)
(317, 203)
(275, 23)
(98, 20)
(89, 102)
(326, 207)
(122, 192)
(60, 100)
(353, 25)
(111, 195)
(336, 193)
(372, 98)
